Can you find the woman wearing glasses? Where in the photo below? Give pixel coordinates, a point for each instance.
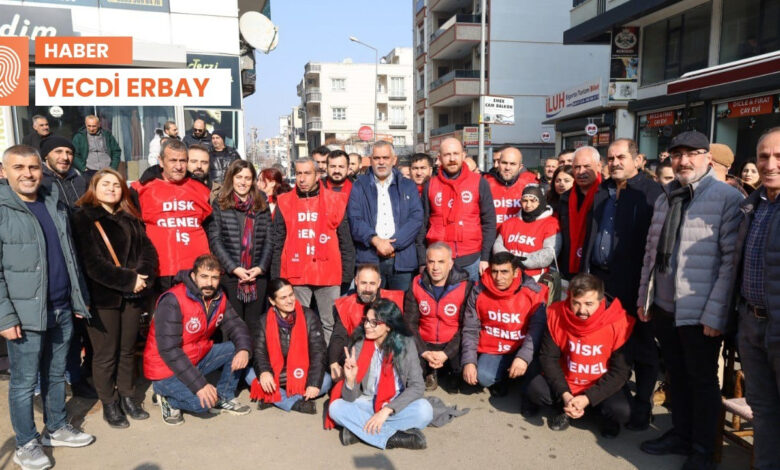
(380, 399)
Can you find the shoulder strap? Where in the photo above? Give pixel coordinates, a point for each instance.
(108, 243)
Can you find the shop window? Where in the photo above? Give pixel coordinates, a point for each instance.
(657, 129)
(226, 121)
(750, 27)
(741, 122)
(676, 45)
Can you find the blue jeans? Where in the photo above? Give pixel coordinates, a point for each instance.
(492, 368)
(353, 415)
(44, 352)
(179, 395)
(286, 403)
(392, 279)
(473, 270)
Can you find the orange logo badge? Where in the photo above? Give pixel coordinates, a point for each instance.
(14, 71)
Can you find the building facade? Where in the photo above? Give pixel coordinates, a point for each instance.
(525, 59)
(338, 99)
(712, 66)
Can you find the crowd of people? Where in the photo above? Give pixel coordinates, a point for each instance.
(376, 285)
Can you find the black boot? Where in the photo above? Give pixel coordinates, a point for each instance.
(528, 409)
(305, 406)
(609, 428)
(114, 416)
(347, 438)
(499, 389)
(558, 422)
(669, 443)
(409, 439)
(641, 417)
(699, 461)
(133, 410)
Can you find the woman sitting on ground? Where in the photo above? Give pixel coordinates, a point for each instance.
(290, 354)
(380, 399)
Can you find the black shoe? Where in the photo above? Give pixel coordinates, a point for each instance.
(113, 415)
(669, 443)
(347, 438)
(84, 390)
(409, 439)
(499, 389)
(133, 410)
(558, 422)
(261, 405)
(305, 406)
(641, 417)
(528, 409)
(431, 382)
(609, 428)
(699, 461)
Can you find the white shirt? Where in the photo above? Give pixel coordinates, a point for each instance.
(385, 224)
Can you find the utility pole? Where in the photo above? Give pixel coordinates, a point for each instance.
(376, 77)
(483, 34)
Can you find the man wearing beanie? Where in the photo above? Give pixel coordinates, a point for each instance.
(722, 159)
(57, 154)
(622, 210)
(221, 156)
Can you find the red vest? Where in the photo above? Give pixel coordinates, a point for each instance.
(521, 237)
(302, 264)
(439, 321)
(464, 233)
(345, 189)
(350, 310)
(174, 214)
(196, 332)
(504, 321)
(506, 199)
(584, 358)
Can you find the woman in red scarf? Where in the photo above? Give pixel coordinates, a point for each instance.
(289, 354)
(380, 399)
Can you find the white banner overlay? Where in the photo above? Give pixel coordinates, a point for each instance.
(132, 87)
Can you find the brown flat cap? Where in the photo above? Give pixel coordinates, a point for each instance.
(722, 154)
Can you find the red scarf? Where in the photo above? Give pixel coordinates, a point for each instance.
(490, 286)
(452, 191)
(577, 223)
(385, 390)
(297, 357)
(601, 317)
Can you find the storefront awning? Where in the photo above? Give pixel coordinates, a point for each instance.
(729, 73)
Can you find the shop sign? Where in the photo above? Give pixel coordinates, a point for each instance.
(499, 110)
(585, 96)
(665, 118)
(546, 136)
(591, 129)
(751, 106)
(471, 136)
(206, 61)
(35, 22)
(624, 63)
(602, 139)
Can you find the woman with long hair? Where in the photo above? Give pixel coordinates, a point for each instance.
(380, 401)
(748, 173)
(120, 264)
(562, 181)
(272, 183)
(290, 354)
(240, 237)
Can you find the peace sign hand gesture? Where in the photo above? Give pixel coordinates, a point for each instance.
(350, 367)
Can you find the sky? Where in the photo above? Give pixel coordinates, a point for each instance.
(319, 31)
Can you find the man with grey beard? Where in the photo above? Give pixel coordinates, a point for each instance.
(348, 312)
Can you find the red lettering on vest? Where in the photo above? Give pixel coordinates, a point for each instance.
(439, 320)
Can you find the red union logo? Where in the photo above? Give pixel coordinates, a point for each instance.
(14, 71)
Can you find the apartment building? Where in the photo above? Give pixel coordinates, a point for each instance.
(709, 65)
(338, 99)
(525, 59)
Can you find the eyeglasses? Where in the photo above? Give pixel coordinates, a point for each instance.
(691, 154)
(372, 323)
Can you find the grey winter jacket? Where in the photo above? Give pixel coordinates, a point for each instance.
(23, 270)
(705, 273)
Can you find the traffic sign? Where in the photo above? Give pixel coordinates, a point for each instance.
(365, 133)
(546, 136)
(591, 129)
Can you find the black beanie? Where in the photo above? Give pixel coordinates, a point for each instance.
(52, 142)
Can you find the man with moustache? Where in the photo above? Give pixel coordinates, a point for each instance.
(685, 289)
(320, 156)
(57, 153)
(507, 184)
(622, 210)
(574, 209)
(337, 172)
(179, 351)
(566, 157)
(354, 166)
(198, 162)
(198, 135)
(421, 169)
(40, 131)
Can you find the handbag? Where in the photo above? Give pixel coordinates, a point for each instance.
(114, 257)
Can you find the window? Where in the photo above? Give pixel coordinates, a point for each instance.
(397, 86)
(676, 45)
(339, 114)
(338, 84)
(444, 119)
(399, 141)
(750, 27)
(397, 115)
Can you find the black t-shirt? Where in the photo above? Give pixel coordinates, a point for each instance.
(58, 295)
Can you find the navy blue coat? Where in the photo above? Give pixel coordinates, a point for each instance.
(407, 215)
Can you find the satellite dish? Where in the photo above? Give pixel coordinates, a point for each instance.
(258, 31)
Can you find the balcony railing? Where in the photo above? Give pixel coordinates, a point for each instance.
(314, 125)
(453, 75)
(420, 50)
(459, 18)
(449, 129)
(312, 68)
(397, 96)
(313, 95)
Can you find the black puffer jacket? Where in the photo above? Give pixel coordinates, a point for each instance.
(317, 349)
(225, 231)
(107, 283)
(219, 163)
(70, 188)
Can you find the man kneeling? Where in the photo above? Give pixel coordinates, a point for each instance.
(179, 351)
(582, 357)
(289, 354)
(380, 399)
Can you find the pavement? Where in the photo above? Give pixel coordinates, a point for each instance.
(493, 435)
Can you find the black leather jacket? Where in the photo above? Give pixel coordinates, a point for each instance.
(220, 161)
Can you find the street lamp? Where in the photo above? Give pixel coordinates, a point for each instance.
(376, 76)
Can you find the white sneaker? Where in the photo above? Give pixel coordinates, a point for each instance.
(31, 457)
(66, 436)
